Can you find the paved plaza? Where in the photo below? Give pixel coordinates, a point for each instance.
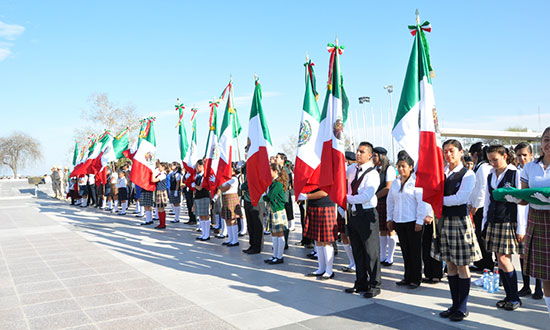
(82, 268)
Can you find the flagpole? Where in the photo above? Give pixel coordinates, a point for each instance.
(373, 129)
(235, 118)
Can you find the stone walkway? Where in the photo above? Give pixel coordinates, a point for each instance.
(68, 267)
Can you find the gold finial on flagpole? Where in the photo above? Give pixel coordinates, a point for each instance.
(255, 77)
(178, 100)
(417, 13)
(336, 41)
(307, 57)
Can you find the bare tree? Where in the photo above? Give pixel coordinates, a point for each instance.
(105, 114)
(18, 150)
(290, 146)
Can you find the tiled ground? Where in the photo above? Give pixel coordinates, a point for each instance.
(66, 267)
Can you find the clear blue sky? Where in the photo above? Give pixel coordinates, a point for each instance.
(490, 59)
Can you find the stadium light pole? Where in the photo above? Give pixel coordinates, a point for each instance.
(364, 100)
(389, 88)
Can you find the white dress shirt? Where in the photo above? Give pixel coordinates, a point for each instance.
(462, 196)
(122, 183)
(406, 205)
(91, 179)
(536, 176)
(233, 183)
(477, 198)
(495, 181)
(366, 193)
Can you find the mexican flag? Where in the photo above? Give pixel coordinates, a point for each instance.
(258, 173)
(415, 127)
(105, 143)
(120, 143)
(308, 155)
(191, 158)
(75, 153)
(145, 158)
(108, 155)
(182, 134)
(212, 155)
(229, 131)
(332, 178)
(90, 155)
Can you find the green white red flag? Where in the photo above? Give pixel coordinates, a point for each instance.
(75, 153)
(81, 169)
(120, 143)
(145, 158)
(308, 155)
(332, 177)
(258, 170)
(415, 126)
(191, 158)
(229, 132)
(212, 154)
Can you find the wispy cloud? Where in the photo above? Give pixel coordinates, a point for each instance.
(8, 32)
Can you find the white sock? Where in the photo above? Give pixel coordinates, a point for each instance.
(243, 226)
(321, 260)
(224, 227)
(392, 242)
(206, 229)
(138, 207)
(328, 250)
(124, 206)
(275, 241)
(383, 244)
(349, 253)
(110, 204)
(141, 210)
(201, 225)
(235, 232)
(104, 203)
(228, 232)
(281, 247)
(547, 299)
(84, 201)
(116, 205)
(177, 212)
(148, 217)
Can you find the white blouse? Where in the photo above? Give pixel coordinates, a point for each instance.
(495, 181)
(462, 196)
(536, 176)
(477, 198)
(234, 186)
(407, 205)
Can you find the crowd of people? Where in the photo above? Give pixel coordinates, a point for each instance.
(476, 232)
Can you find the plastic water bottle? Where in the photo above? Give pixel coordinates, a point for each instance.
(491, 287)
(485, 279)
(496, 281)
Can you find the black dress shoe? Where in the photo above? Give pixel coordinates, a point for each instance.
(458, 316)
(247, 250)
(233, 244)
(537, 295)
(413, 285)
(402, 283)
(447, 313)
(350, 290)
(159, 227)
(387, 264)
(501, 303)
(314, 274)
(174, 221)
(524, 291)
(254, 251)
(226, 243)
(198, 238)
(512, 306)
(371, 293)
(205, 239)
(326, 277)
(311, 254)
(268, 260)
(346, 269)
(276, 261)
(146, 223)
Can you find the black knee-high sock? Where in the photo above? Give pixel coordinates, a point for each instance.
(453, 286)
(505, 284)
(538, 287)
(463, 294)
(524, 276)
(512, 280)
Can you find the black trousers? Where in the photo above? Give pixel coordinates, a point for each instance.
(92, 194)
(189, 202)
(364, 235)
(487, 261)
(254, 226)
(411, 247)
(305, 240)
(432, 268)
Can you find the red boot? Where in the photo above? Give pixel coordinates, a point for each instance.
(162, 220)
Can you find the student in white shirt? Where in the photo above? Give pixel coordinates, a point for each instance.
(231, 209)
(122, 188)
(504, 222)
(406, 215)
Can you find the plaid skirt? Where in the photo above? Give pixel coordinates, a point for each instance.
(114, 190)
(231, 207)
(382, 214)
(146, 198)
(321, 224)
(174, 199)
(458, 243)
(501, 238)
(202, 207)
(277, 222)
(161, 198)
(537, 244)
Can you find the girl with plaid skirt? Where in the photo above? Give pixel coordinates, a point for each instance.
(231, 209)
(537, 237)
(161, 194)
(201, 207)
(175, 190)
(388, 238)
(322, 227)
(504, 222)
(456, 242)
(277, 222)
(122, 186)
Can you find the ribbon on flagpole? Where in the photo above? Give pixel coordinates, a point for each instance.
(213, 105)
(122, 133)
(332, 48)
(426, 26)
(309, 66)
(180, 108)
(194, 111)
